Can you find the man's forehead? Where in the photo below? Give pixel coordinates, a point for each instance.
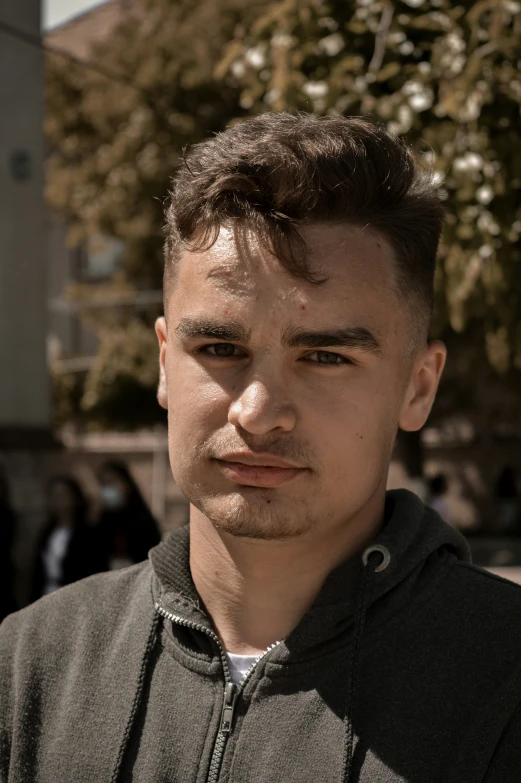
(344, 255)
(249, 286)
(229, 276)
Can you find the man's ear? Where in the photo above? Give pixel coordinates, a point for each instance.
(162, 392)
(423, 384)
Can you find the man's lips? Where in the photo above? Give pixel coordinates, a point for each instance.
(258, 470)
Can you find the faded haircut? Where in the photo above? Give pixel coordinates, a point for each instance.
(276, 173)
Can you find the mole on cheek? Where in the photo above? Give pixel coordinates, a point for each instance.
(302, 307)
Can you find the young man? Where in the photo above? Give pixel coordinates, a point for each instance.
(307, 626)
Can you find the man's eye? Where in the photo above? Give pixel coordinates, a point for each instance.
(326, 357)
(222, 350)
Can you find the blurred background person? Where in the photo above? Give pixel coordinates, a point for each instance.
(437, 497)
(125, 523)
(69, 548)
(508, 502)
(7, 529)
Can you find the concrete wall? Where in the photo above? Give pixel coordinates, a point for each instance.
(24, 386)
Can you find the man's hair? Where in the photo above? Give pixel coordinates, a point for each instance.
(276, 173)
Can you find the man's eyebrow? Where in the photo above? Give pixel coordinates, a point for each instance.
(194, 328)
(356, 337)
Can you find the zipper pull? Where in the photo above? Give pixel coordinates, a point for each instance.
(230, 699)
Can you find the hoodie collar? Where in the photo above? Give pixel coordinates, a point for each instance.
(416, 538)
(412, 534)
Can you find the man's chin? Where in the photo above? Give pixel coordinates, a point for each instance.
(255, 531)
(261, 516)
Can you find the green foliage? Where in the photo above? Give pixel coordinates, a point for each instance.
(118, 389)
(67, 391)
(444, 75)
(114, 146)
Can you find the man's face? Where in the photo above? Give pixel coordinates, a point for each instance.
(284, 397)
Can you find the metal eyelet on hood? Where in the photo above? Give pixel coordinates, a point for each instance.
(381, 550)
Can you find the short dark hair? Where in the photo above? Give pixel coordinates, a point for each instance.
(278, 172)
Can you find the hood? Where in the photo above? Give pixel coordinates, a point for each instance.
(414, 535)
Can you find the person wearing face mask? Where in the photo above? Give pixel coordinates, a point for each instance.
(69, 548)
(125, 523)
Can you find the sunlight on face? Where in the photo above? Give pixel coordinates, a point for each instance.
(311, 377)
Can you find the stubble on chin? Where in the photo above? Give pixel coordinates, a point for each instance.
(256, 514)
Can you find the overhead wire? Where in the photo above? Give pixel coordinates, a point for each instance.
(37, 42)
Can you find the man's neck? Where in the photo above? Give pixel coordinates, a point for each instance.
(256, 592)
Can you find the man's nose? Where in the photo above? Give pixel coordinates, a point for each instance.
(263, 406)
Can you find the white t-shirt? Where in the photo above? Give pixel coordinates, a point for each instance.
(53, 557)
(239, 665)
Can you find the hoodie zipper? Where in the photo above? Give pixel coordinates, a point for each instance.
(231, 691)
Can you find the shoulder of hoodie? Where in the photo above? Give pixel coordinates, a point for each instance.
(482, 601)
(484, 585)
(479, 617)
(85, 612)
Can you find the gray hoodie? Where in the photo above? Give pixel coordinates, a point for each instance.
(406, 670)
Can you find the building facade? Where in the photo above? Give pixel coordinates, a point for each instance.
(25, 408)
